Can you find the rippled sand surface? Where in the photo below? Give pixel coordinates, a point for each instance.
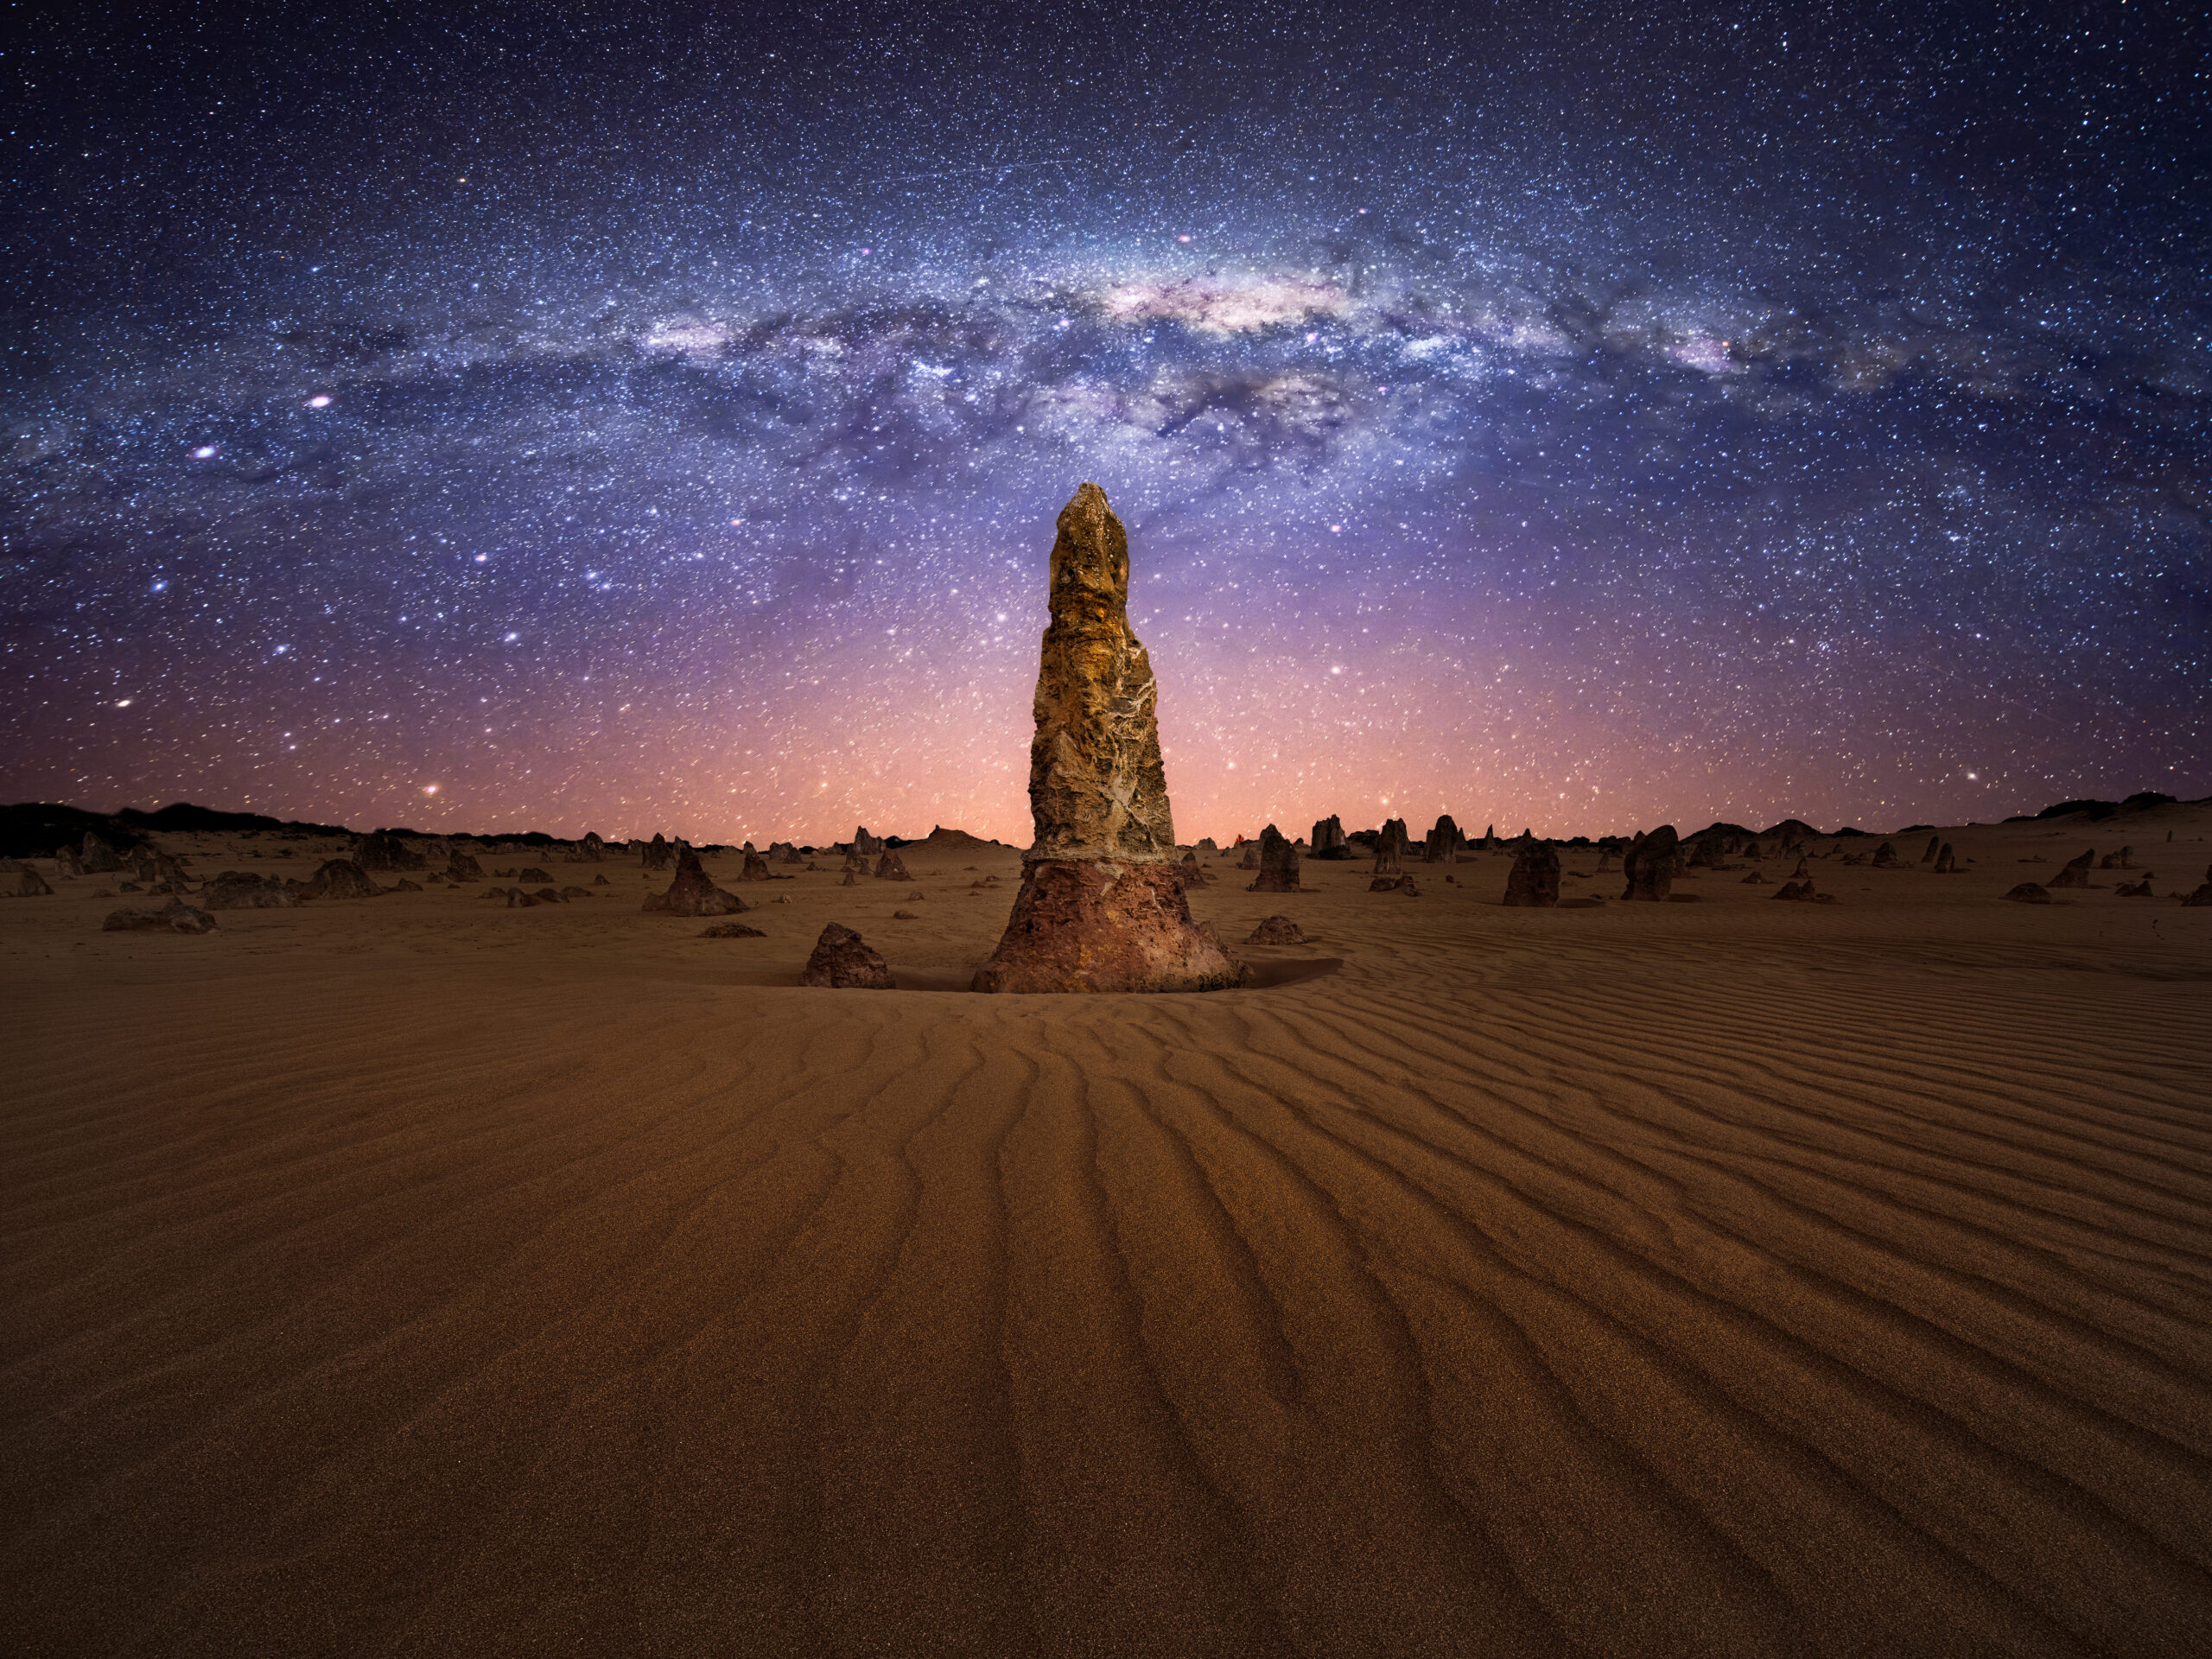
(417, 1276)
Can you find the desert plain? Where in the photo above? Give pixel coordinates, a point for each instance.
(419, 1275)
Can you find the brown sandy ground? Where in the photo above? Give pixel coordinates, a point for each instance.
(417, 1276)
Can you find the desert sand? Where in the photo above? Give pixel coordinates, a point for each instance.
(417, 1275)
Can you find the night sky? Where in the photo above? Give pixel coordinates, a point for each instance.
(567, 417)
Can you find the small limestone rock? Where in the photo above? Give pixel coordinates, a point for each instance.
(340, 878)
(731, 931)
(533, 877)
(1885, 857)
(1403, 884)
(29, 884)
(891, 866)
(177, 917)
(904, 916)
(382, 850)
(657, 853)
(841, 961)
(1276, 929)
(2202, 898)
(1946, 863)
(693, 893)
(2028, 893)
(233, 890)
(756, 867)
(98, 858)
(601, 881)
(460, 867)
(2076, 873)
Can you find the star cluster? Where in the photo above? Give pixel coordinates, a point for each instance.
(544, 418)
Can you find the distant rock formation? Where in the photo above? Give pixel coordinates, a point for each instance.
(66, 862)
(1935, 844)
(1248, 855)
(338, 878)
(942, 840)
(460, 867)
(1328, 839)
(693, 893)
(891, 866)
(731, 931)
(29, 884)
(2028, 893)
(382, 850)
(756, 867)
(591, 849)
(1650, 864)
(1396, 884)
(2076, 873)
(534, 877)
(1192, 873)
(657, 853)
(1101, 907)
(1946, 863)
(1443, 842)
(2202, 897)
(239, 889)
(783, 852)
(1804, 872)
(1534, 883)
(1276, 929)
(1207, 848)
(1886, 856)
(1278, 864)
(843, 962)
(1390, 846)
(176, 917)
(2122, 859)
(1801, 893)
(865, 845)
(2136, 889)
(98, 858)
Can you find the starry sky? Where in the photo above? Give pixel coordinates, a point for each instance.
(626, 417)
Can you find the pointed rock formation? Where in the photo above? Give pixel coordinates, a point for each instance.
(1328, 839)
(843, 962)
(1534, 884)
(1191, 874)
(1650, 864)
(67, 862)
(1946, 863)
(1390, 848)
(591, 849)
(29, 884)
(2076, 873)
(864, 845)
(692, 893)
(657, 853)
(1444, 843)
(2122, 859)
(1935, 845)
(2028, 893)
(891, 866)
(783, 852)
(1101, 907)
(1278, 864)
(756, 867)
(2201, 899)
(460, 867)
(99, 858)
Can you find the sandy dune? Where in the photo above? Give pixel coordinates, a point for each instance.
(418, 1277)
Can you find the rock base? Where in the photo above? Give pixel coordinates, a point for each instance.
(1094, 924)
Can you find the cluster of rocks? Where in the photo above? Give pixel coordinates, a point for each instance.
(175, 917)
(1328, 839)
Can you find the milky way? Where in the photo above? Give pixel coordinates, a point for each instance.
(528, 420)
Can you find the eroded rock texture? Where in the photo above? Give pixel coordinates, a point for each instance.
(692, 893)
(1102, 907)
(843, 962)
(1650, 864)
(891, 866)
(2076, 873)
(1390, 848)
(657, 853)
(1534, 884)
(1328, 840)
(1445, 842)
(1278, 864)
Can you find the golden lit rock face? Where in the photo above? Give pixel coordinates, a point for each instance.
(1096, 787)
(1102, 907)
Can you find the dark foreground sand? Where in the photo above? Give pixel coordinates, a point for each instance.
(414, 1276)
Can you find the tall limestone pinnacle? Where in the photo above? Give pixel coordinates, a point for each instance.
(1096, 786)
(1102, 907)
